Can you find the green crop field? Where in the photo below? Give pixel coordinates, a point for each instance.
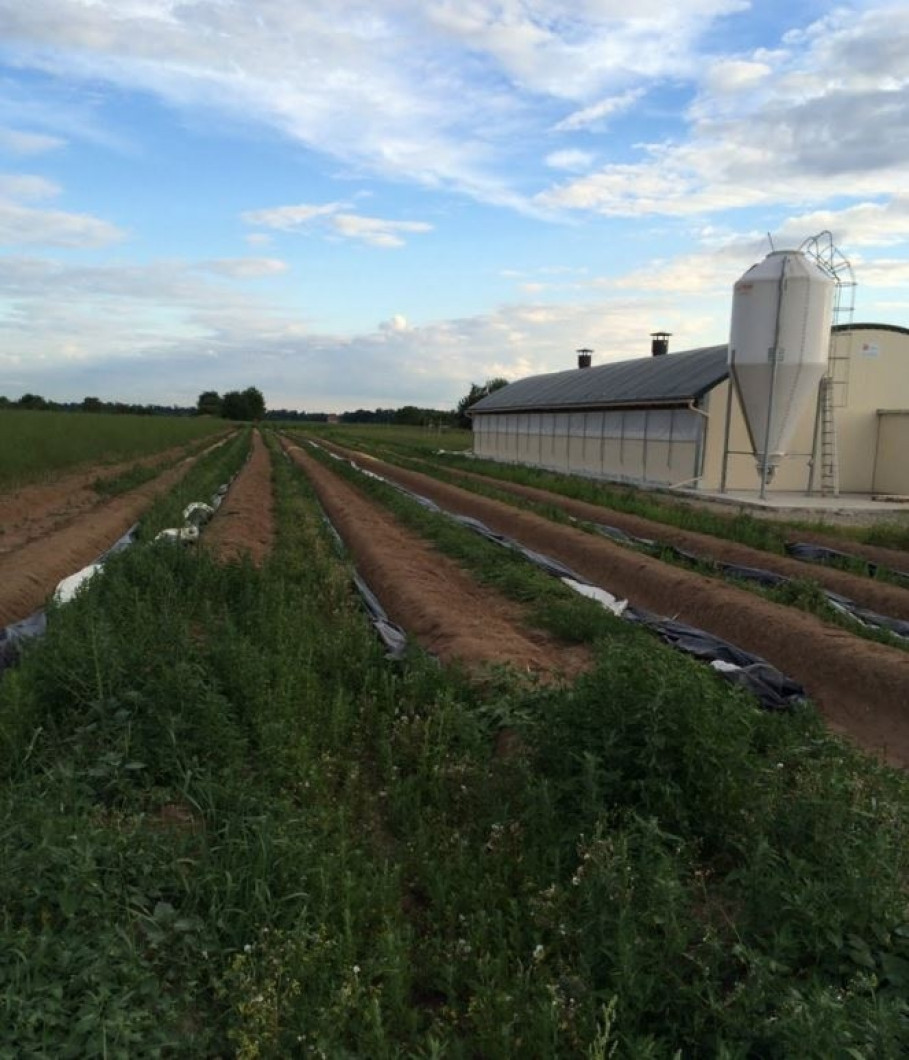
(39, 446)
(231, 827)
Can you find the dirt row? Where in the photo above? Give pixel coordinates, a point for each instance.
(245, 522)
(33, 511)
(861, 687)
(882, 597)
(28, 574)
(427, 593)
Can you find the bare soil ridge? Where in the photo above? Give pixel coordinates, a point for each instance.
(29, 574)
(245, 522)
(861, 687)
(32, 511)
(428, 594)
(879, 596)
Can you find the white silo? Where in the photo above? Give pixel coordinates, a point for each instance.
(782, 311)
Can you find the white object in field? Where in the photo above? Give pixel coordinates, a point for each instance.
(187, 534)
(723, 667)
(198, 513)
(782, 311)
(593, 592)
(68, 588)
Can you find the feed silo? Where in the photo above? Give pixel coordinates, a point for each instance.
(782, 310)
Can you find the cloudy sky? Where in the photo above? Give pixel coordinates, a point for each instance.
(361, 203)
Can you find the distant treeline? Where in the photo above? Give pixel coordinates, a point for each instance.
(249, 404)
(409, 416)
(36, 403)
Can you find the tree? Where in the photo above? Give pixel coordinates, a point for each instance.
(248, 405)
(209, 403)
(31, 401)
(474, 395)
(255, 403)
(92, 404)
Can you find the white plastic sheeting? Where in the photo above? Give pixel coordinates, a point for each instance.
(14, 636)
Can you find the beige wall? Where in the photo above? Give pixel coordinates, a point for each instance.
(871, 372)
(658, 446)
(891, 462)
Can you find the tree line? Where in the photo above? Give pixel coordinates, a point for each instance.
(249, 404)
(36, 403)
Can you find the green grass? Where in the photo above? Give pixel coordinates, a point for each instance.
(39, 446)
(229, 827)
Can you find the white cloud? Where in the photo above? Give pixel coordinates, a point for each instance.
(245, 268)
(20, 142)
(336, 220)
(376, 231)
(22, 225)
(287, 218)
(597, 113)
(26, 186)
(25, 226)
(569, 159)
(432, 91)
(877, 224)
(735, 75)
(825, 116)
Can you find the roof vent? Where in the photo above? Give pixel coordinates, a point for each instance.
(584, 356)
(659, 342)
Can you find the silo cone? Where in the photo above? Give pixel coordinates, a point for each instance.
(782, 311)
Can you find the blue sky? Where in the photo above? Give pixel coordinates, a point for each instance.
(360, 204)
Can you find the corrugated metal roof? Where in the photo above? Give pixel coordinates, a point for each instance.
(671, 379)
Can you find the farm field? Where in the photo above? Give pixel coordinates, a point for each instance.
(885, 543)
(232, 826)
(66, 527)
(40, 446)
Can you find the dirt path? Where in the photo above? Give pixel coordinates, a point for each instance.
(428, 594)
(862, 688)
(33, 511)
(245, 522)
(30, 573)
(883, 597)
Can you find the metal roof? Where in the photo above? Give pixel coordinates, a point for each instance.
(669, 379)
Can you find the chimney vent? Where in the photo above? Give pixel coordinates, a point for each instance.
(659, 342)
(584, 356)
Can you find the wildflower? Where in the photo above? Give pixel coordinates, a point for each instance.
(356, 969)
(538, 952)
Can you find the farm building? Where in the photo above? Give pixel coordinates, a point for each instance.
(674, 419)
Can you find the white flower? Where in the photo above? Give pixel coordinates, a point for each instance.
(538, 952)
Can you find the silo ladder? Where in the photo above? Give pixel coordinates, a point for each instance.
(830, 468)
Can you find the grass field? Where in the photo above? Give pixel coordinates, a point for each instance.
(231, 828)
(39, 446)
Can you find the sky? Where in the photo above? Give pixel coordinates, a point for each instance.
(374, 203)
